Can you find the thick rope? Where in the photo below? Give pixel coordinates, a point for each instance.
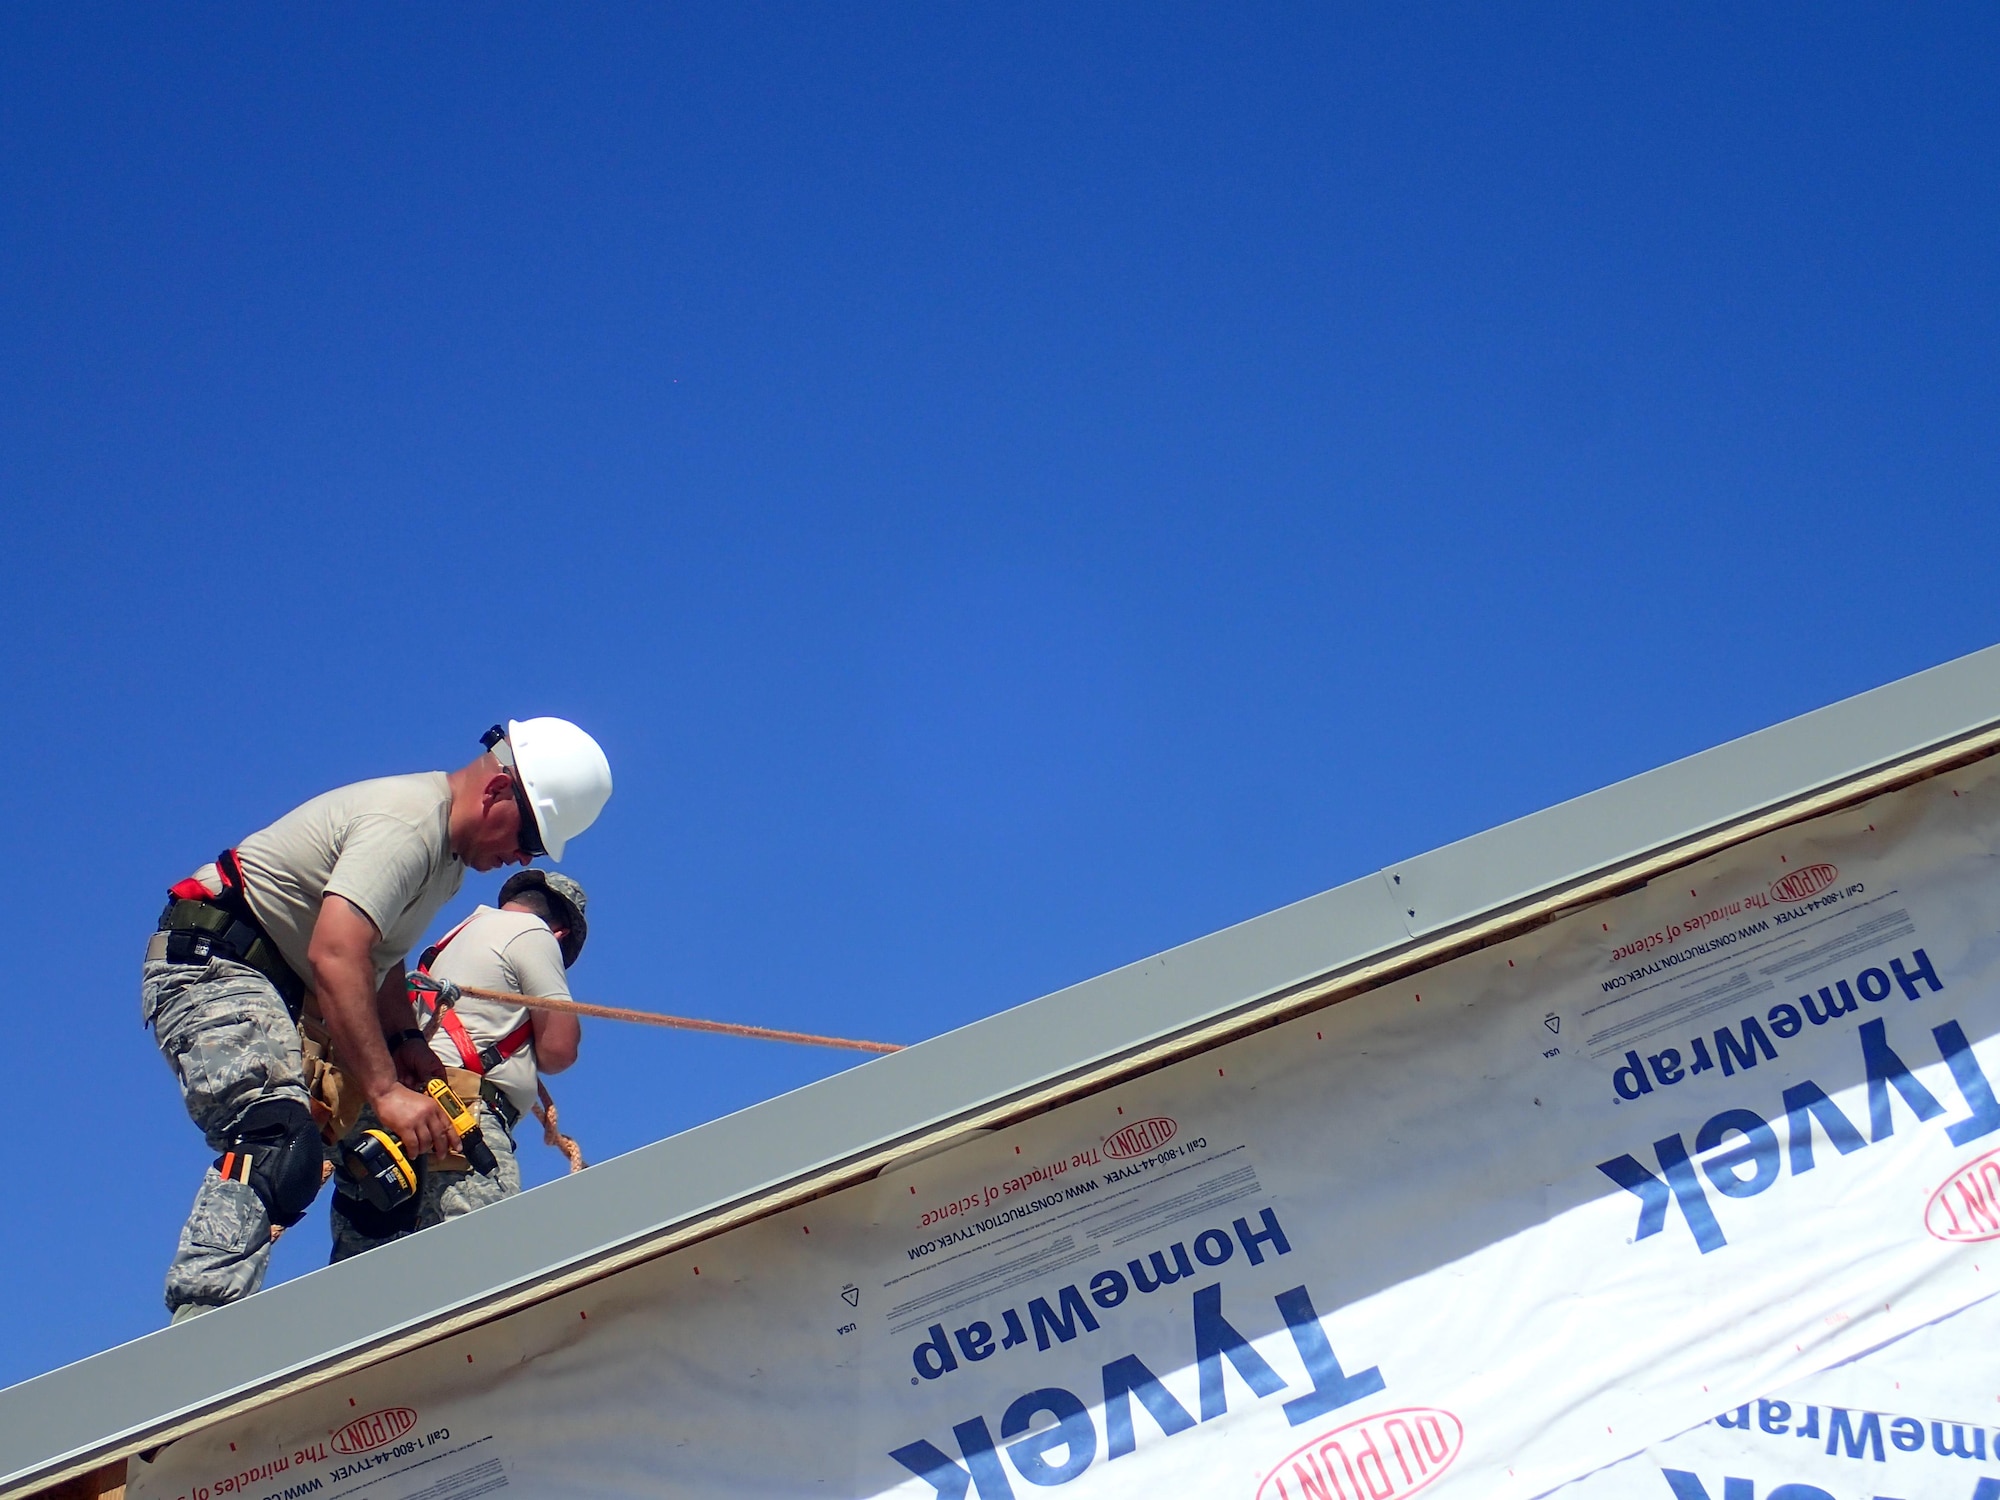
(545, 1111)
(545, 1107)
(684, 1023)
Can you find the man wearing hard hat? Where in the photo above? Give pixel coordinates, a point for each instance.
(493, 1052)
(324, 905)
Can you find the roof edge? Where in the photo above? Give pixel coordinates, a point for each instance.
(1130, 1021)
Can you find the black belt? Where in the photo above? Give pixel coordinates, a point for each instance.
(198, 931)
(495, 1098)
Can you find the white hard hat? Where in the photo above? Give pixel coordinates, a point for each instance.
(565, 774)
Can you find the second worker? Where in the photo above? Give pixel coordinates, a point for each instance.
(523, 946)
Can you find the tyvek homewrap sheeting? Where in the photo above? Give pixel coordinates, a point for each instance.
(1913, 1419)
(1489, 1232)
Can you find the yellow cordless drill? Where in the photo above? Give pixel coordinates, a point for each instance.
(384, 1174)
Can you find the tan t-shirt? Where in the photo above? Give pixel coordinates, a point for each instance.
(384, 845)
(501, 950)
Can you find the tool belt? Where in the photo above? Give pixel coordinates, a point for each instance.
(198, 925)
(337, 1105)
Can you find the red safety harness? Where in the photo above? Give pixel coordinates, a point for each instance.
(228, 870)
(480, 1059)
(200, 923)
(473, 1057)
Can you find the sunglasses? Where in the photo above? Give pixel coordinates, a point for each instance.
(530, 836)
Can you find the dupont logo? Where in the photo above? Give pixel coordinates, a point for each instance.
(1141, 1136)
(1967, 1207)
(364, 1434)
(1801, 883)
(1382, 1457)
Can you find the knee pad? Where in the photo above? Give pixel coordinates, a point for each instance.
(276, 1150)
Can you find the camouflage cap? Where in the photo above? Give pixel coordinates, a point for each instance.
(565, 895)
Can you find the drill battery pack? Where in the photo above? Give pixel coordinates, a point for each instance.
(386, 1176)
(375, 1164)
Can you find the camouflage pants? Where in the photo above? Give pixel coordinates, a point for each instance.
(232, 1044)
(440, 1196)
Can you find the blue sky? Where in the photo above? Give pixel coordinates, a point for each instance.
(1012, 488)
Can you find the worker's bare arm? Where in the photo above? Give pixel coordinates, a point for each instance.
(414, 1060)
(341, 956)
(557, 1038)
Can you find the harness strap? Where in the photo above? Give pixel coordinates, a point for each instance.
(228, 889)
(475, 1058)
(478, 1059)
(430, 954)
(194, 888)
